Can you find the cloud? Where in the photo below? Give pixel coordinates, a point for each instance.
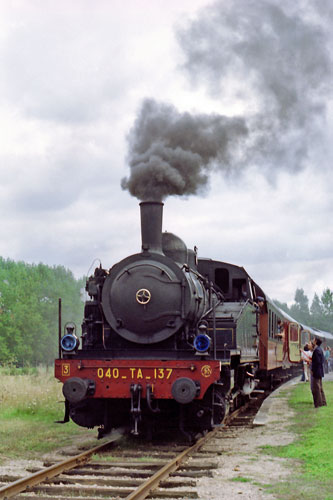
(69, 166)
(79, 77)
(281, 234)
(276, 59)
(67, 63)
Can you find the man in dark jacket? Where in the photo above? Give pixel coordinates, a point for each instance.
(317, 370)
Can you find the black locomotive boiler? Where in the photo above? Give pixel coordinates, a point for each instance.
(166, 337)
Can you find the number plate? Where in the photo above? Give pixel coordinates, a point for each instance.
(135, 373)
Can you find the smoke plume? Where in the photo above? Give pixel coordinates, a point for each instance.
(271, 55)
(172, 153)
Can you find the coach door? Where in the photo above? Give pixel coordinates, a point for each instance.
(293, 340)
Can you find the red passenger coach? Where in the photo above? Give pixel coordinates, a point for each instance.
(114, 379)
(280, 339)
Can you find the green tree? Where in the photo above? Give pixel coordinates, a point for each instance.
(327, 302)
(316, 308)
(327, 305)
(300, 309)
(29, 310)
(282, 305)
(317, 313)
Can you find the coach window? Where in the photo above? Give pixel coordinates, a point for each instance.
(269, 323)
(274, 325)
(305, 336)
(293, 332)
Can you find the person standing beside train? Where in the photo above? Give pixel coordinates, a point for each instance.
(327, 354)
(317, 370)
(281, 335)
(306, 356)
(330, 360)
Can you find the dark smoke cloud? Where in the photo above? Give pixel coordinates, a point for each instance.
(273, 55)
(277, 54)
(172, 153)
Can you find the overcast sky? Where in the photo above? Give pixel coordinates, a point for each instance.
(231, 99)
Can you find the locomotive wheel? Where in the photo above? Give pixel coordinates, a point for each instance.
(219, 406)
(206, 414)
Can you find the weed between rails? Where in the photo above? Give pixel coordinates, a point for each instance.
(241, 479)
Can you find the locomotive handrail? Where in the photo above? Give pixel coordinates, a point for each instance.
(127, 270)
(243, 307)
(170, 282)
(211, 309)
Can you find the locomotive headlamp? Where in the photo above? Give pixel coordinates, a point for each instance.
(201, 343)
(69, 342)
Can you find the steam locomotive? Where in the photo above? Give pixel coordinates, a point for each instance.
(168, 337)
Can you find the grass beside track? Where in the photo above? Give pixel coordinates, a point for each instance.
(29, 406)
(312, 450)
(30, 403)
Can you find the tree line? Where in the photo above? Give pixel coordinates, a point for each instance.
(318, 315)
(29, 296)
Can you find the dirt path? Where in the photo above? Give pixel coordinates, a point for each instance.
(243, 467)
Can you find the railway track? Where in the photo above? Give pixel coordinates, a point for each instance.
(170, 474)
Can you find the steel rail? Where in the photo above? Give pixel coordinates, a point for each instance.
(38, 477)
(140, 493)
(152, 483)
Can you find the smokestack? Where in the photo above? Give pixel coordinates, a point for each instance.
(151, 226)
